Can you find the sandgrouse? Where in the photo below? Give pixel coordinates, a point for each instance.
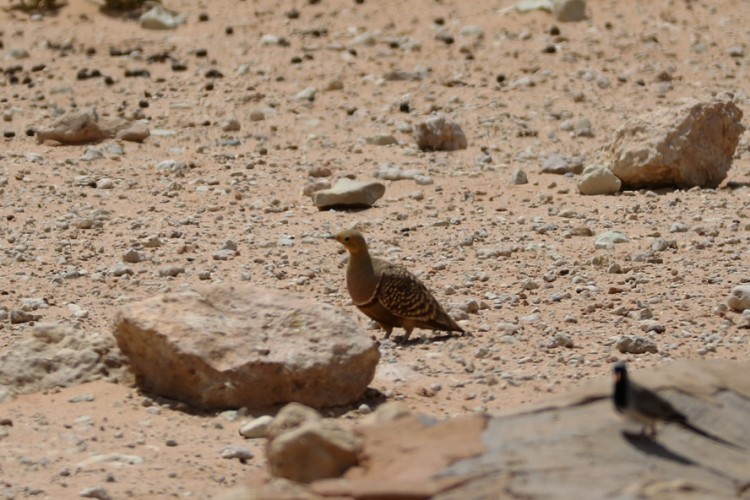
(390, 294)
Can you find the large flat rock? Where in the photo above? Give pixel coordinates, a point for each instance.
(575, 446)
(244, 346)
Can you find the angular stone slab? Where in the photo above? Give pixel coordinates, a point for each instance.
(349, 193)
(230, 346)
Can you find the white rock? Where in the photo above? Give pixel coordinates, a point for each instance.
(598, 179)
(609, 239)
(307, 94)
(440, 133)
(739, 299)
(159, 18)
(348, 192)
(256, 428)
(686, 146)
(105, 183)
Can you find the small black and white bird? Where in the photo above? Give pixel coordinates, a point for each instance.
(641, 404)
(647, 407)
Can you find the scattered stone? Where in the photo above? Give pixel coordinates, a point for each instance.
(391, 172)
(171, 271)
(18, 316)
(561, 340)
(440, 133)
(244, 346)
(569, 10)
(239, 452)
(95, 492)
(691, 145)
(745, 318)
(561, 165)
(73, 128)
(583, 128)
(333, 84)
(519, 177)
(635, 344)
(609, 239)
(650, 325)
(230, 125)
(739, 298)
(121, 269)
(381, 140)
(597, 180)
(55, 355)
(309, 448)
(314, 185)
(105, 183)
(257, 115)
(81, 127)
(92, 154)
(159, 18)
(349, 193)
(136, 131)
(257, 428)
(307, 94)
(82, 398)
(133, 256)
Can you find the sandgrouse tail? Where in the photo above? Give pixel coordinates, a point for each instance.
(390, 294)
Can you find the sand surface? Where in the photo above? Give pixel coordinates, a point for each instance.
(516, 263)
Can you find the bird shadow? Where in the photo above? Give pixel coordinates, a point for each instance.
(649, 445)
(429, 339)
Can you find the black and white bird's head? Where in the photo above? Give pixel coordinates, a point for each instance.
(620, 393)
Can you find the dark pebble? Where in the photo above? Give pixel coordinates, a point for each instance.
(214, 73)
(8, 134)
(130, 73)
(201, 53)
(176, 66)
(229, 30)
(203, 17)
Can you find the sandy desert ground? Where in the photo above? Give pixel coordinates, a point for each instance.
(516, 263)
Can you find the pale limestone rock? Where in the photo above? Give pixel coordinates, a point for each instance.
(691, 145)
(56, 355)
(350, 193)
(739, 299)
(82, 127)
(440, 133)
(304, 447)
(244, 346)
(598, 179)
